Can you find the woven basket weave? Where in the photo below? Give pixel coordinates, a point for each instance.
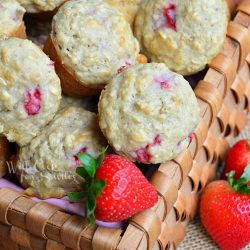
(224, 99)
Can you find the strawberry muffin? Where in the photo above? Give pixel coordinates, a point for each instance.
(148, 113)
(185, 35)
(46, 167)
(128, 8)
(30, 91)
(90, 42)
(11, 19)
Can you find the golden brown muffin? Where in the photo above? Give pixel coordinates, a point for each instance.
(11, 19)
(90, 42)
(145, 114)
(30, 90)
(46, 167)
(70, 85)
(185, 35)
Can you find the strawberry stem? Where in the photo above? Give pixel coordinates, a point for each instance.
(91, 187)
(240, 185)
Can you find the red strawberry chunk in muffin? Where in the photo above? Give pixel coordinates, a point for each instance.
(157, 141)
(191, 137)
(165, 81)
(32, 101)
(122, 68)
(51, 64)
(169, 13)
(82, 150)
(143, 155)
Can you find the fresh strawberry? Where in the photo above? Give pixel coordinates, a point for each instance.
(114, 188)
(238, 158)
(225, 211)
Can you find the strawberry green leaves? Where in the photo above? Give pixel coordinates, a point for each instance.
(240, 185)
(100, 158)
(89, 164)
(75, 197)
(246, 173)
(98, 187)
(92, 187)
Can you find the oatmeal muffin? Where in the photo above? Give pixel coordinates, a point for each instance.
(46, 167)
(11, 19)
(185, 35)
(40, 6)
(148, 113)
(90, 42)
(30, 91)
(128, 8)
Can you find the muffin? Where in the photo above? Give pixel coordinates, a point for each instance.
(46, 167)
(90, 42)
(30, 91)
(128, 8)
(11, 19)
(5, 153)
(185, 35)
(145, 114)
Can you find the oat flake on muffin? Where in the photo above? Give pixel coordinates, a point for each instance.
(148, 113)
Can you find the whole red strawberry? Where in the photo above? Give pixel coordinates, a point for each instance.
(114, 190)
(225, 211)
(127, 191)
(237, 158)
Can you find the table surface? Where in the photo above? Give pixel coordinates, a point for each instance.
(197, 238)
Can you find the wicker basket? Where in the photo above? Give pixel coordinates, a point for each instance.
(224, 99)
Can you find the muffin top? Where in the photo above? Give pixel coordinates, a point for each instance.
(148, 113)
(37, 6)
(93, 40)
(53, 152)
(30, 90)
(128, 8)
(11, 16)
(185, 35)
